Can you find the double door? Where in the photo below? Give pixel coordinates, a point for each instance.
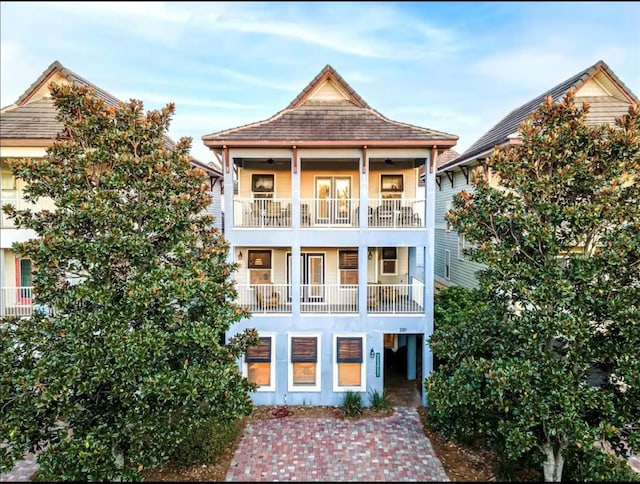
(311, 277)
(333, 200)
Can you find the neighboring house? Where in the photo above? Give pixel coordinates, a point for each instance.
(27, 128)
(597, 85)
(327, 223)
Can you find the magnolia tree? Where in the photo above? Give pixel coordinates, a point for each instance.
(548, 369)
(130, 355)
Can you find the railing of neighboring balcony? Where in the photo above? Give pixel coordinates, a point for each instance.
(16, 301)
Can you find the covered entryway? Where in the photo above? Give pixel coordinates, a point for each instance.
(403, 369)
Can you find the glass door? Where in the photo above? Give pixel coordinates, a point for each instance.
(311, 277)
(333, 200)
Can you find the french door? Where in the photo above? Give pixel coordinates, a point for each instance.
(311, 276)
(333, 200)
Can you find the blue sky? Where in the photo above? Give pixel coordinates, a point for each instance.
(457, 67)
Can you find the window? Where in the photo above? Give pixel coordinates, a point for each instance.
(348, 266)
(259, 367)
(259, 266)
(391, 183)
(461, 246)
(24, 280)
(8, 179)
(389, 260)
(447, 264)
(349, 371)
(262, 185)
(304, 370)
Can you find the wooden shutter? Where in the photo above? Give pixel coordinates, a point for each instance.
(304, 350)
(261, 352)
(348, 259)
(349, 350)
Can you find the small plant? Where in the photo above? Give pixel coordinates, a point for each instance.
(352, 404)
(206, 443)
(379, 401)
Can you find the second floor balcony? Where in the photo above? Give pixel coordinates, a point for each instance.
(382, 213)
(333, 298)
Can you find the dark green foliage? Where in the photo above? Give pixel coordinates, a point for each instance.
(379, 401)
(206, 443)
(593, 465)
(352, 404)
(549, 363)
(131, 357)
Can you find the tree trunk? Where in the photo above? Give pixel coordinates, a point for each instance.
(554, 464)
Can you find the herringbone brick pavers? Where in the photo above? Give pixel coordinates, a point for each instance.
(300, 449)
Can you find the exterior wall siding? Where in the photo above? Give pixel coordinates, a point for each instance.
(462, 271)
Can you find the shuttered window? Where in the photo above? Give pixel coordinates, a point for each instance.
(349, 361)
(348, 265)
(258, 360)
(304, 357)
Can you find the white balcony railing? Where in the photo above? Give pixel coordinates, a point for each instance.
(328, 298)
(396, 213)
(265, 298)
(329, 212)
(262, 212)
(332, 298)
(394, 298)
(16, 301)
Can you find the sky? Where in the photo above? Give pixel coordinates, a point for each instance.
(456, 67)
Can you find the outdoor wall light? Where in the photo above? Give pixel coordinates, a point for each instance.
(370, 255)
(239, 256)
(372, 354)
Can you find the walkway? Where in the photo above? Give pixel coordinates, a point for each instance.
(299, 449)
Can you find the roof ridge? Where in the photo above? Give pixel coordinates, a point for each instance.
(557, 93)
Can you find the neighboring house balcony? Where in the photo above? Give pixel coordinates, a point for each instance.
(16, 301)
(329, 281)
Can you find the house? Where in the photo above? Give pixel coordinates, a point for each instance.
(327, 223)
(27, 128)
(597, 85)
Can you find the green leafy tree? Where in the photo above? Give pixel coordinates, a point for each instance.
(131, 356)
(549, 367)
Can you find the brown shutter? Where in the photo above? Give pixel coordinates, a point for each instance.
(304, 350)
(349, 350)
(348, 259)
(261, 352)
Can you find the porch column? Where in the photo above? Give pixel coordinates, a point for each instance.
(295, 282)
(429, 252)
(411, 357)
(363, 203)
(2, 282)
(227, 181)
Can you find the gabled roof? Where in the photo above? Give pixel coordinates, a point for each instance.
(33, 115)
(603, 109)
(328, 111)
(32, 118)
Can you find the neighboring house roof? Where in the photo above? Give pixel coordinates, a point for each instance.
(32, 118)
(328, 112)
(443, 158)
(603, 109)
(207, 167)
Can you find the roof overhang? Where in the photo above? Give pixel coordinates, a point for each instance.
(26, 142)
(324, 144)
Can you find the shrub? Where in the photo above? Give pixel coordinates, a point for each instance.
(352, 404)
(206, 443)
(379, 401)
